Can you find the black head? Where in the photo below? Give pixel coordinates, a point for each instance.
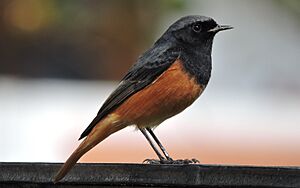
(193, 30)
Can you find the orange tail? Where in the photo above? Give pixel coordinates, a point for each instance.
(102, 130)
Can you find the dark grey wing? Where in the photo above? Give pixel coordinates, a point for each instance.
(143, 73)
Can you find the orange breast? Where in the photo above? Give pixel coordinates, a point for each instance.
(168, 95)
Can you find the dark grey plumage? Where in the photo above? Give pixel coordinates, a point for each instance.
(188, 39)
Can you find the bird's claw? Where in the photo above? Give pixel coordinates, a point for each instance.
(152, 161)
(186, 161)
(171, 161)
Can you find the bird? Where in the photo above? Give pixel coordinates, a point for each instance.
(165, 80)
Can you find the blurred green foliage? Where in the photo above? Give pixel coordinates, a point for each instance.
(82, 39)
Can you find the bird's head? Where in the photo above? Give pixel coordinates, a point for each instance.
(194, 30)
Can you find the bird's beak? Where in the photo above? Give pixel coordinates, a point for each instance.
(220, 28)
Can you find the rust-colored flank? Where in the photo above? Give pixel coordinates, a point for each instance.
(169, 94)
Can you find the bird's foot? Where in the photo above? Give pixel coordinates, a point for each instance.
(186, 161)
(152, 161)
(171, 161)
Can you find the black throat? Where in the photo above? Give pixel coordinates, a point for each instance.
(197, 62)
(196, 58)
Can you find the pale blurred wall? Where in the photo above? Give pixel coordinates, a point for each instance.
(247, 115)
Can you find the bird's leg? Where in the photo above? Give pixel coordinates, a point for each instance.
(159, 144)
(153, 146)
(169, 159)
(162, 160)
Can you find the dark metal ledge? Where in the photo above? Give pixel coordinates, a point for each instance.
(144, 175)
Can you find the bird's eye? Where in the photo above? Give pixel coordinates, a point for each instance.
(196, 28)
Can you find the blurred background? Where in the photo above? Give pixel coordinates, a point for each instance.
(60, 59)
